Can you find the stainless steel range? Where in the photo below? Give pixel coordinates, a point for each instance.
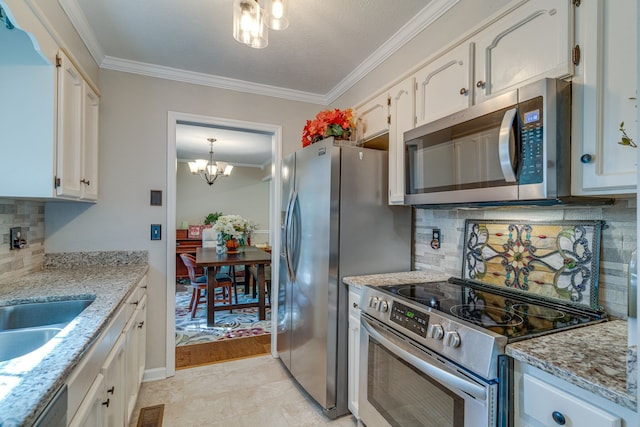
(453, 335)
(433, 354)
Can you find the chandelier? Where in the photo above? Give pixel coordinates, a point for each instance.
(210, 170)
(252, 17)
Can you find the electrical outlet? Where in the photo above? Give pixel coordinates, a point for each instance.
(156, 231)
(436, 239)
(17, 239)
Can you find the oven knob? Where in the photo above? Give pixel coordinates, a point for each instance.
(383, 306)
(435, 331)
(452, 339)
(373, 302)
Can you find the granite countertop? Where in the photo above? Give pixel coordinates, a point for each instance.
(404, 277)
(597, 365)
(28, 383)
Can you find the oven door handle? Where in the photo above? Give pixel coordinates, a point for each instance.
(395, 346)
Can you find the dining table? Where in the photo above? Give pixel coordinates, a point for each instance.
(212, 261)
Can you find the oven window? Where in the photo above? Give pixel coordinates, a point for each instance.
(405, 396)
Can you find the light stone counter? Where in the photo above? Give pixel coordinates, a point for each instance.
(28, 383)
(404, 277)
(591, 357)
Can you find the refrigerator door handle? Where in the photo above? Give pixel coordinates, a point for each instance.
(289, 234)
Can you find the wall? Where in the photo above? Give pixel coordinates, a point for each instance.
(133, 158)
(618, 240)
(30, 216)
(243, 193)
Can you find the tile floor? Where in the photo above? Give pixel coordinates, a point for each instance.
(251, 392)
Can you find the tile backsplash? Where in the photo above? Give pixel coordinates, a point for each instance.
(30, 216)
(618, 241)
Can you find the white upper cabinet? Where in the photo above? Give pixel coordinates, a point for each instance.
(604, 96)
(50, 120)
(402, 119)
(77, 141)
(372, 118)
(69, 138)
(531, 42)
(445, 85)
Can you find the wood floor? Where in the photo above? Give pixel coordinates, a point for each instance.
(220, 351)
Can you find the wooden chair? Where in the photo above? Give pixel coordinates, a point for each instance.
(253, 270)
(199, 284)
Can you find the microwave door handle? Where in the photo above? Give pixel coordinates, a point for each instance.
(424, 366)
(504, 145)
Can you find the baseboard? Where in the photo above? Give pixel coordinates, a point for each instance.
(155, 374)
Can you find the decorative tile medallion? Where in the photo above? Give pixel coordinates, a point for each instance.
(559, 260)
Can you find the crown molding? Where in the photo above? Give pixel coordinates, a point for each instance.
(203, 79)
(422, 20)
(79, 21)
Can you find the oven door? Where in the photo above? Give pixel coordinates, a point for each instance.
(404, 384)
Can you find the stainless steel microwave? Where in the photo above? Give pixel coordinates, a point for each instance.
(514, 148)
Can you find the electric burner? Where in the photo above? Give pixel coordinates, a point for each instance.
(505, 312)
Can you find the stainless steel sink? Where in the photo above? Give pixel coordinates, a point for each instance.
(26, 327)
(18, 342)
(41, 313)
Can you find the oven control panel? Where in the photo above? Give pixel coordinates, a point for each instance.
(413, 320)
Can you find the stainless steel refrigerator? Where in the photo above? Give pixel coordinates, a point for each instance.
(335, 222)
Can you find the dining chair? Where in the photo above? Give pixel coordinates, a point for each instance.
(253, 270)
(199, 284)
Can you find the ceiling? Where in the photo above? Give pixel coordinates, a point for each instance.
(328, 46)
(236, 146)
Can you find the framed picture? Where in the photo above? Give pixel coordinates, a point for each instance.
(194, 232)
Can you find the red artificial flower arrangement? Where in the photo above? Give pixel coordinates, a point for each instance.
(337, 123)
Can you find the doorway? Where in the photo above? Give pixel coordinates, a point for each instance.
(174, 120)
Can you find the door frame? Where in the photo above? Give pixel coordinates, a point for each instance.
(173, 118)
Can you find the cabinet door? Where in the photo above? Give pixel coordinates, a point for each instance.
(114, 384)
(91, 412)
(402, 118)
(69, 137)
(353, 349)
(372, 118)
(135, 339)
(546, 406)
(90, 111)
(604, 95)
(445, 85)
(531, 42)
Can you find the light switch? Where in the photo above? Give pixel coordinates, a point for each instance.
(156, 231)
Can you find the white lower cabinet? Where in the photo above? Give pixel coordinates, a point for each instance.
(542, 400)
(135, 337)
(91, 412)
(354, 349)
(103, 389)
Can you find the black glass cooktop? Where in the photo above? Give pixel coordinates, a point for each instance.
(501, 311)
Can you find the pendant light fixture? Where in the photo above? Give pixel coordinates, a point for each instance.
(210, 170)
(249, 25)
(252, 17)
(277, 16)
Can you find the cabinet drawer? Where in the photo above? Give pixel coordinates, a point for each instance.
(542, 401)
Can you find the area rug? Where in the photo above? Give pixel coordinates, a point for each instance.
(238, 324)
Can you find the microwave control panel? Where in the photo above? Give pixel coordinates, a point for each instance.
(413, 320)
(532, 156)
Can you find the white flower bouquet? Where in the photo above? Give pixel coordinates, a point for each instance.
(234, 227)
